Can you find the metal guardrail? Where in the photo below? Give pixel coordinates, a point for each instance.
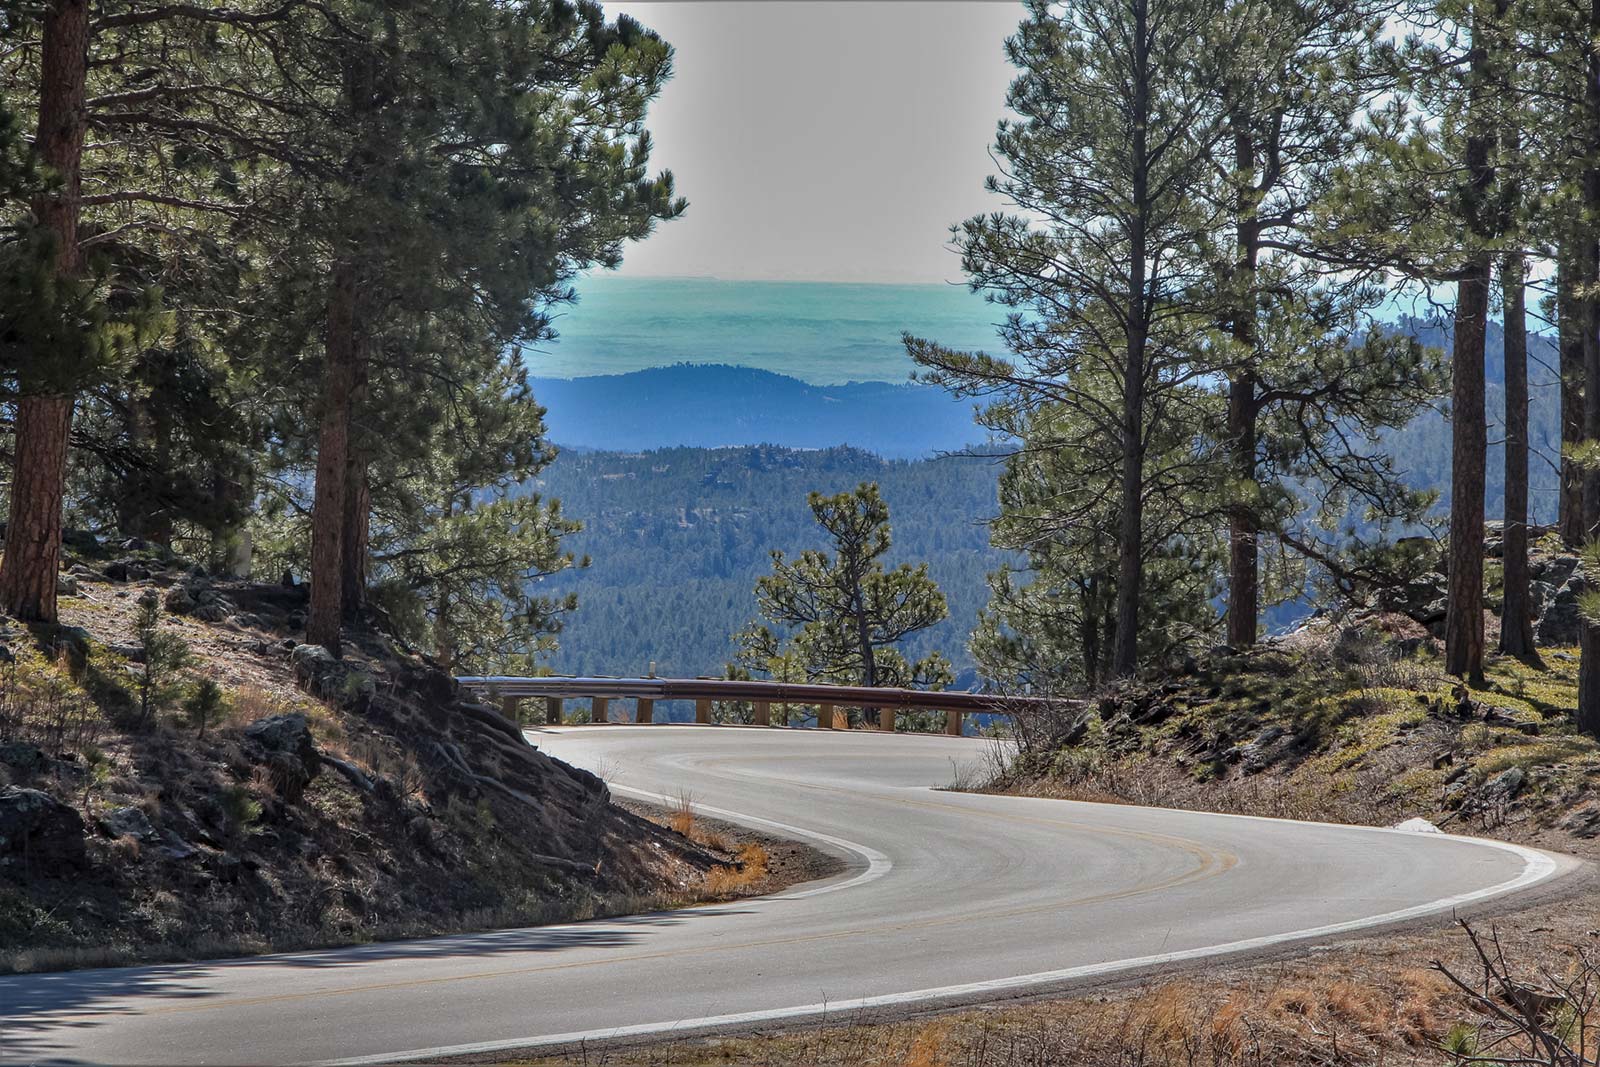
(762, 694)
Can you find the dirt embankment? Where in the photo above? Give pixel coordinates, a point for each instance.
(294, 801)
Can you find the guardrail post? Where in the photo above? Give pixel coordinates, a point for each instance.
(763, 713)
(508, 707)
(952, 723)
(599, 710)
(644, 710)
(886, 719)
(826, 719)
(552, 711)
(702, 711)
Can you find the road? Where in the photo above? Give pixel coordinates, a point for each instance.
(950, 897)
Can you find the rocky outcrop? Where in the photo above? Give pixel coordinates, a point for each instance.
(283, 744)
(39, 831)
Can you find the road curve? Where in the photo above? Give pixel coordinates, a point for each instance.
(950, 897)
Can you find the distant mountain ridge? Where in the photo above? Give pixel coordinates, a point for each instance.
(698, 405)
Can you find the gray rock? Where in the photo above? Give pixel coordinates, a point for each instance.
(40, 830)
(215, 611)
(173, 847)
(1505, 785)
(66, 585)
(82, 540)
(23, 757)
(180, 599)
(1554, 570)
(1559, 623)
(127, 570)
(128, 822)
(284, 745)
(1584, 821)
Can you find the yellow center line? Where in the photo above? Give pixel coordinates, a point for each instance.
(1209, 863)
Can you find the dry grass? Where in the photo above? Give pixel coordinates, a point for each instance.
(1365, 1003)
(682, 819)
(736, 880)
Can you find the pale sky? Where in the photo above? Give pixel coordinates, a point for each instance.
(824, 141)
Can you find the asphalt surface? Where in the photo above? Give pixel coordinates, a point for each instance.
(950, 897)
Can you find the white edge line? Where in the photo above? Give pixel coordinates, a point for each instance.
(878, 864)
(1537, 867)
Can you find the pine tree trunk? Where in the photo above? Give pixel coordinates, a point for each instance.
(1516, 616)
(357, 505)
(33, 534)
(1463, 634)
(1089, 631)
(1130, 534)
(32, 556)
(1244, 560)
(1244, 610)
(325, 614)
(1588, 307)
(1570, 349)
(1463, 654)
(357, 534)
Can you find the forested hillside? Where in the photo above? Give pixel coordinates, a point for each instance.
(678, 537)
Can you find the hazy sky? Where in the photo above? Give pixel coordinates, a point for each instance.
(829, 141)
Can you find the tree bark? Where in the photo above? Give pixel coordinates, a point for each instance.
(1469, 439)
(1588, 307)
(1244, 580)
(1516, 616)
(1130, 538)
(1570, 348)
(1463, 635)
(44, 420)
(357, 505)
(357, 535)
(325, 614)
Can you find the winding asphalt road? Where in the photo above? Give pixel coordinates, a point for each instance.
(950, 897)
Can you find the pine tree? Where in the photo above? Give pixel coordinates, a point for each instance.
(76, 305)
(843, 614)
(506, 151)
(1115, 138)
(1307, 363)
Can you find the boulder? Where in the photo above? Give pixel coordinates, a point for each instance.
(126, 570)
(1559, 622)
(23, 757)
(215, 611)
(180, 599)
(1505, 785)
(323, 676)
(40, 830)
(128, 822)
(66, 585)
(1584, 821)
(283, 744)
(1554, 570)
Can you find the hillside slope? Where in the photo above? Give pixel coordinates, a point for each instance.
(314, 802)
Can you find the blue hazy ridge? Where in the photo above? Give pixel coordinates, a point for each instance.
(702, 406)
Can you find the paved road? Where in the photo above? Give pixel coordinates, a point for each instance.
(950, 896)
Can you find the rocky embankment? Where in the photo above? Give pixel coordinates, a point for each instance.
(296, 800)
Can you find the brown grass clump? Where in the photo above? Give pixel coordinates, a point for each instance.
(681, 818)
(928, 1046)
(729, 881)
